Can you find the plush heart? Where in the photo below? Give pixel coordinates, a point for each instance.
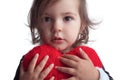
(44, 50)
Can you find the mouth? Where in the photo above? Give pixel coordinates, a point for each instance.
(57, 40)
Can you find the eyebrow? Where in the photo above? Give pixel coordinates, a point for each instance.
(45, 14)
(64, 13)
(69, 13)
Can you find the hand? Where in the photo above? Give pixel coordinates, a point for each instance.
(36, 73)
(79, 68)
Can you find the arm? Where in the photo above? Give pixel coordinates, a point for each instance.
(103, 75)
(103, 72)
(18, 71)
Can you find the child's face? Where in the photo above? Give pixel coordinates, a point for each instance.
(60, 24)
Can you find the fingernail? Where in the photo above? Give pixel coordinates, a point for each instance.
(80, 49)
(47, 56)
(52, 65)
(53, 77)
(37, 54)
(56, 67)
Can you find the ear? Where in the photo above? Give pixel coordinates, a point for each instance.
(82, 27)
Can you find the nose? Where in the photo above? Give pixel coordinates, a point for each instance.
(57, 26)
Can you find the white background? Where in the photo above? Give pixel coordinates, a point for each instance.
(15, 38)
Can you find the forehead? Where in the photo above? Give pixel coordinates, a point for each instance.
(59, 4)
(64, 5)
(52, 2)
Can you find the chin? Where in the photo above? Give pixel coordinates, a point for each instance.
(60, 48)
(63, 49)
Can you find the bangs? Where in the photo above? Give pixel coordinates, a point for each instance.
(43, 4)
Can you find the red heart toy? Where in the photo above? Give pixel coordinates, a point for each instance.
(53, 54)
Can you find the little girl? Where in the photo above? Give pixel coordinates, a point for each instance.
(63, 24)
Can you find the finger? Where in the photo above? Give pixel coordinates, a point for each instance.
(40, 67)
(46, 71)
(67, 70)
(52, 78)
(32, 64)
(68, 62)
(83, 54)
(21, 69)
(71, 57)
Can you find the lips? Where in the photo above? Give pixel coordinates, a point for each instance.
(57, 40)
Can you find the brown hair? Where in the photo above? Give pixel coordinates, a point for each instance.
(38, 8)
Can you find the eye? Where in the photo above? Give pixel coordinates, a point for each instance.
(68, 18)
(47, 19)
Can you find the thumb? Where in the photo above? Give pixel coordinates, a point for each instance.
(83, 54)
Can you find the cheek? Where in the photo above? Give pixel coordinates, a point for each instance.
(45, 35)
(45, 30)
(71, 34)
(73, 30)
(45, 38)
